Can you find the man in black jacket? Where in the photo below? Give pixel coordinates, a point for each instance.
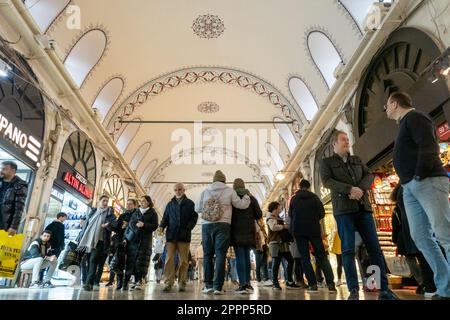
(179, 219)
(425, 184)
(350, 181)
(57, 230)
(13, 195)
(38, 257)
(306, 210)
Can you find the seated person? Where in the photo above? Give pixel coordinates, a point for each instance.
(37, 257)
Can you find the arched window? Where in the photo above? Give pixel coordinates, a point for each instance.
(85, 54)
(358, 9)
(140, 155)
(148, 171)
(286, 134)
(275, 156)
(107, 96)
(303, 97)
(128, 134)
(44, 12)
(324, 54)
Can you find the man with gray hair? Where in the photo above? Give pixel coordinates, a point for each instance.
(179, 219)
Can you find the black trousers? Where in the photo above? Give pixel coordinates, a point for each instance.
(96, 262)
(276, 261)
(298, 270)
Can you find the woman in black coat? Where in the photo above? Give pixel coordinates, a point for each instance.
(401, 236)
(138, 237)
(243, 235)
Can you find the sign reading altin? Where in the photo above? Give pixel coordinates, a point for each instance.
(27, 143)
(78, 182)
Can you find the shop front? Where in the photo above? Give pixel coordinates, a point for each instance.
(22, 124)
(115, 190)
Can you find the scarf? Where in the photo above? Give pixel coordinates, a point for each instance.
(241, 191)
(94, 231)
(143, 211)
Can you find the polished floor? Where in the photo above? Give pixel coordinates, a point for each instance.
(153, 291)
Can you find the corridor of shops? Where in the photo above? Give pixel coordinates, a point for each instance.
(217, 150)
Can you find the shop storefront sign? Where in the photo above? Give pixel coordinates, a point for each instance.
(117, 207)
(58, 195)
(79, 183)
(443, 132)
(15, 135)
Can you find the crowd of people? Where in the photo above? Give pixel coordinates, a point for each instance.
(233, 225)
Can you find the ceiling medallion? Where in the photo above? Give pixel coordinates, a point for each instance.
(208, 26)
(208, 107)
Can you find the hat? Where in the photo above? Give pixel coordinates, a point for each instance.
(219, 176)
(238, 184)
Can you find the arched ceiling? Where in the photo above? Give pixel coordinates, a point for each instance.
(231, 59)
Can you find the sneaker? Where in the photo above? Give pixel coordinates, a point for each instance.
(88, 287)
(302, 284)
(249, 288)
(292, 285)
(240, 290)
(109, 284)
(267, 283)
(429, 294)
(276, 286)
(138, 287)
(218, 292)
(132, 286)
(354, 295)
(34, 285)
(438, 297)
(207, 290)
(387, 295)
(48, 285)
(181, 287)
(338, 283)
(321, 284)
(167, 287)
(332, 288)
(313, 289)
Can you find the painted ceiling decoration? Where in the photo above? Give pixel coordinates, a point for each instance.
(108, 95)
(46, 11)
(208, 26)
(85, 54)
(208, 107)
(199, 75)
(304, 97)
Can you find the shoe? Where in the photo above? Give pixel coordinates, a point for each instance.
(88, 287)
(47, 285)
(218, 292)
(312, 289)
(320, 284)
(338, 283)
(138, 287)
(420, 290)
(276, 286)
(291, 285)
(438, 297)
(167, 287)
(387, 295)
(249, 288)
(207, 290)
(354, 295)
(428, 294)
(302, 284)
(181, 287)
(132, 287)
(267, 283)
(240, 290)
(34, 285)
(109, 284)
(332, 288)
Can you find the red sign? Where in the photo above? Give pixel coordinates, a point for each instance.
(117, 207)
(443, 132)
(78, 185)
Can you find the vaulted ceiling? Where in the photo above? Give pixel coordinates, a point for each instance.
(206, 60)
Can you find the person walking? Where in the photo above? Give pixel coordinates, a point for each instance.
(261, 254)
(279, 246)
(306, 210)
(349, 181)
(95, 239)
(138, 241)
(425, 186)
(401, 236)
(298, 269)
(336, 249)
(180, 219)
(243, 235)
(13, 196)
(215, 204)
(199, 261)
(231, 271)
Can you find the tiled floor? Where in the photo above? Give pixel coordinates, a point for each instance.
(153, 291)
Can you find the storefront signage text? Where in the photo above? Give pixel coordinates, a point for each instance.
(58, 195)
(78, 182)
(28, 143)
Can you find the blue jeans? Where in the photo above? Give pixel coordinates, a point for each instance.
(428, 213)
(232, 272)
(243, 265)
(216, 240)
(262, 271)
(363, 223)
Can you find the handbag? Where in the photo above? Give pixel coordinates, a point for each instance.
(130, 234)
(398, 266)
(71, 256)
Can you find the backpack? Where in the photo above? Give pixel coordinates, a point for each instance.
(213, 209)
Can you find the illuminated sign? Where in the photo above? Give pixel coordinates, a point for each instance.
(78, 182)
(443, 132)
(324, 192)
(117, 207)
(58, 195)
(28, 143)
